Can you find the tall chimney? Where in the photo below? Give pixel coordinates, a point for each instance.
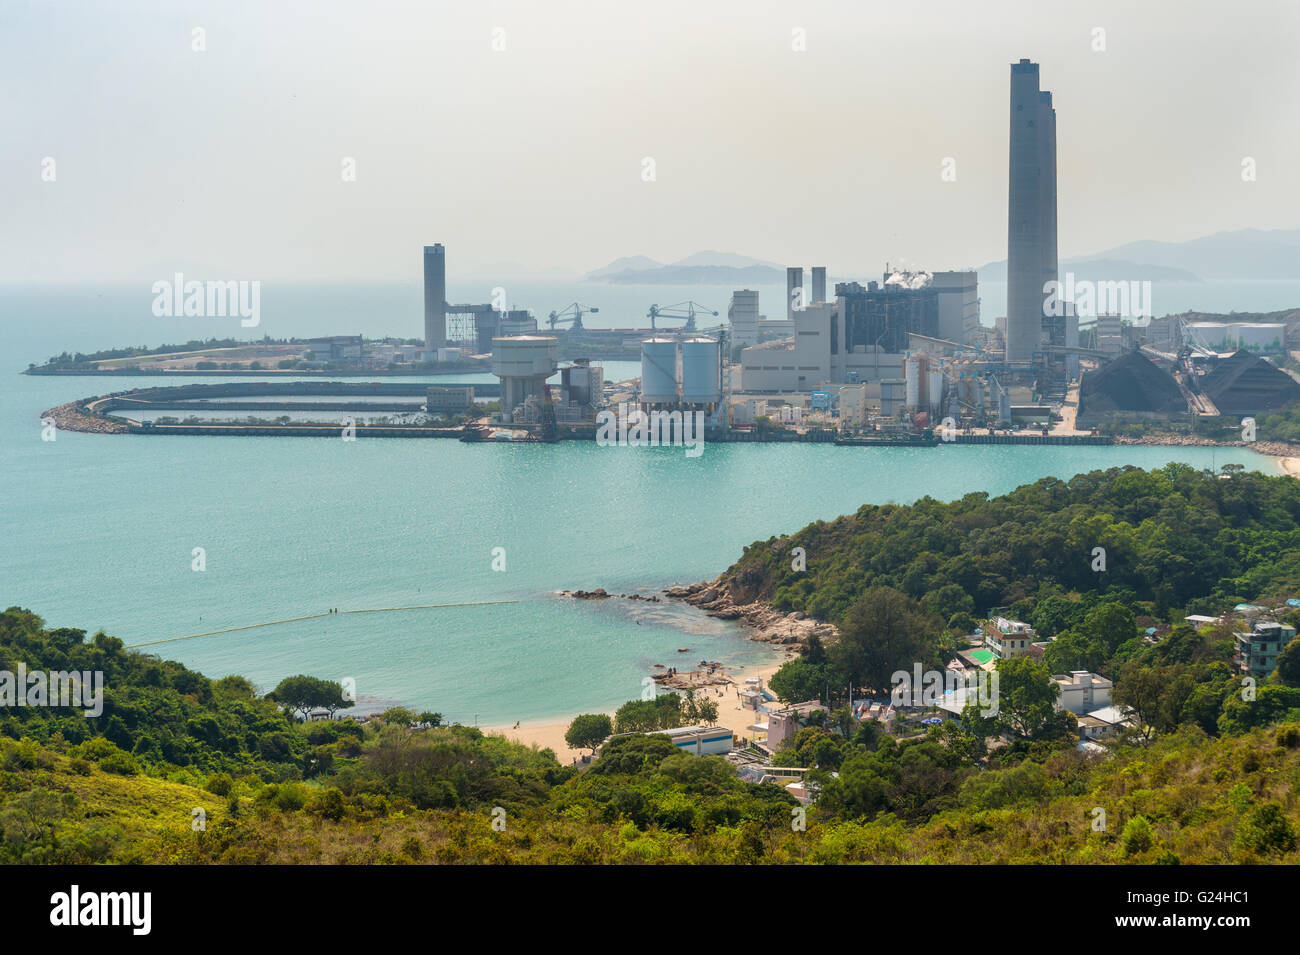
(819, 283)
(435, 297)
(793, 280)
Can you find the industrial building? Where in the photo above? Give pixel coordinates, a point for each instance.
(449, 399)
(435, 297)
(1031, 211)
(742, 318)
(1221, 337)
(685, 373)
(465, 325)
(523, 363)
(582, 386)
(959, 305)
(862, 334)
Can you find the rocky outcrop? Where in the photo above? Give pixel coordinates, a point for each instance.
(724, 598)
(600, 593)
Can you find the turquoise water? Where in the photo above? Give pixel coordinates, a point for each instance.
(98, 531)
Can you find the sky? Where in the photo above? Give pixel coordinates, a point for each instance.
(517, 133)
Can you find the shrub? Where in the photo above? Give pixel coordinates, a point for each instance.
(1136, 837)
(121, 763)
(220, 784)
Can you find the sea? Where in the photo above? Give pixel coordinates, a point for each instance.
(106, 532)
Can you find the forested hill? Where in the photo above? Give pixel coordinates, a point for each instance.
(1174, 537)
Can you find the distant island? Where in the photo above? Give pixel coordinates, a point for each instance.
(701, 268)
(1236, 255)
(1240, 254)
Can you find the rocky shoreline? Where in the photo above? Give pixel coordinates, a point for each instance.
(766, 623)
(1279, 449)
(69, 418)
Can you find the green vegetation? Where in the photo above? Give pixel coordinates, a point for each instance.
(182, 769)
(1174, 538)
(1283, 426)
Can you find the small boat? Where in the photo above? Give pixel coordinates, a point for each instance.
(683, 649)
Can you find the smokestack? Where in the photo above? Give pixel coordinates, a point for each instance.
(819, 283)
(793, 280)
(1031, 210)
(435, 297)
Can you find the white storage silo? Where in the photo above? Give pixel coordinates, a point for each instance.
(701, 372)
(912, 376)
(659, 371)
(935, 390)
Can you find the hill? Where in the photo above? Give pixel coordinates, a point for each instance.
(1240, 254)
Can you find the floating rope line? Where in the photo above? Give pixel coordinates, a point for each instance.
(317, 616)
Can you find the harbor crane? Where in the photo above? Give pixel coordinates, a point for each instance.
(682, 310)
(571, 313)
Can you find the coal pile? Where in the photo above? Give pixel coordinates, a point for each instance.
(1128, 384)
(1247, 384)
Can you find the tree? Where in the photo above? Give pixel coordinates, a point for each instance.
(1074, 651)
(1288, 664)
(882, 632)
(799, 680)
(1026, 698)
(1110, 623)
(636, 716)
(302, 694)
(708, 712)
(588, 731)
(1156, 695)
(399, 716)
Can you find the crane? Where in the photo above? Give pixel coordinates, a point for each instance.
(682, 310)
(571, 313)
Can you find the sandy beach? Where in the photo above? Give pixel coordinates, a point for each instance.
(730, 714)
(1289, 466)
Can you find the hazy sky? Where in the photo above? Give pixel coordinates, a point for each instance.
(227, 163)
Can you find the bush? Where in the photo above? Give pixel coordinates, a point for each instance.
(123, 764)
(1136, 838)
(220, 784)
(329, 804)
(1267, 830)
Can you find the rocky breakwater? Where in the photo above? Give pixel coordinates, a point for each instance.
(70, 417)
(1278, 449)
(719, 598)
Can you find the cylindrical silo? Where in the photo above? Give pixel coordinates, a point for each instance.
(912, 377)
(936, 388)
(701, 372)
(659, 371)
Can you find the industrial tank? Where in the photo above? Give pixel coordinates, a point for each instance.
(659, 370)
(935, 390)
(701, 372)
(912, 377)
